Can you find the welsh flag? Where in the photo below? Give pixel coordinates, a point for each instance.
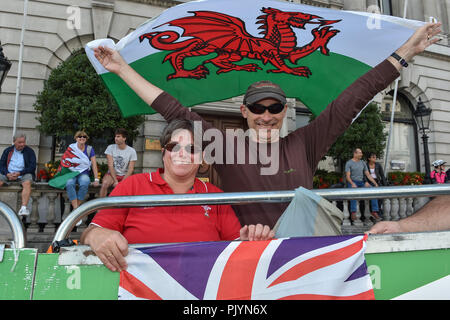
(73, 162)
(211, 50)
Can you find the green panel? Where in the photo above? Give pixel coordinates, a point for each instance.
(330, 76)
(86, 282)
(17, 284)
(395, 273)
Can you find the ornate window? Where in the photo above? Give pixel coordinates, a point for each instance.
(403, 148)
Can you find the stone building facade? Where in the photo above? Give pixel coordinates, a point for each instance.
(53, 29)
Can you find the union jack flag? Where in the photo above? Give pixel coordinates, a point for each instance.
(294, 268)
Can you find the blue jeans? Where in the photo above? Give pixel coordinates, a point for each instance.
(83, 182)
(373, 202)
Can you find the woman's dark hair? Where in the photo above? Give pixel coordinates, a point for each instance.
(371, 154)
(179, 124)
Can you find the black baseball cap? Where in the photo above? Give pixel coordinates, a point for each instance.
(262, 90)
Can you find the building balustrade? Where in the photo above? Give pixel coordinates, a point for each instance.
(392, 210)
(49, 207)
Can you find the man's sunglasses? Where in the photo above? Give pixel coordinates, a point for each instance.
(176, 147)
(82, 137)
(260, 109)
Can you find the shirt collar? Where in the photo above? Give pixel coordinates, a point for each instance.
(198, 187)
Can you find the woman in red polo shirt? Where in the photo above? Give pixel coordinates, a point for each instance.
(112, 230)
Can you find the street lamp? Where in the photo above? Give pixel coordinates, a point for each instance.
(5, 65)
(422, 115)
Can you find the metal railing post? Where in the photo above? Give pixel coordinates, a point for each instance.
(240, 198)
(14, 223)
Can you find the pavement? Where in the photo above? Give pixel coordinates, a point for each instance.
(5, 229)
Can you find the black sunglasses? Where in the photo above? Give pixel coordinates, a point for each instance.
(176, 147)
(82, 137)
(260, 109)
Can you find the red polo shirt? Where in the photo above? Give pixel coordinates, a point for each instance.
(168, 224)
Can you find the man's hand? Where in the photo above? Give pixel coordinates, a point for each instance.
(13, 175)
(386, 227)
(418, 42)
(255, 233)
(109, 245)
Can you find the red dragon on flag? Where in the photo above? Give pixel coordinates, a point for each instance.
(225, 35)
(212, 50)
(66, 159)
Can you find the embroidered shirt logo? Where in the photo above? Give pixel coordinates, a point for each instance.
(206, 208)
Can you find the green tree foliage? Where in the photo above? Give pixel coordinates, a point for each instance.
(366, 132)
(75, 98)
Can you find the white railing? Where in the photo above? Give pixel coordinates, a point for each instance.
(48, 206)
(392, 209)
(242, 198)
(49, 210)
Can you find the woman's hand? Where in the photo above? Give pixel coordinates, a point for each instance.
(258, 232)
(110, 59)
(109, 245)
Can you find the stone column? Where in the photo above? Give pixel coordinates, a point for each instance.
(346, 221)
(394, 209)
(151, 157)
(102, 12)
(34, 216)
(409, 206)
(402, 208)
(50, 226)
(367, 221)
(358, 221)
(66, 206)
(387, 209)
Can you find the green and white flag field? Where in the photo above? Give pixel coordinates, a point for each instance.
(211, 50)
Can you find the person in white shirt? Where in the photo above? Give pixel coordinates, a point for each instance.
(121, 160)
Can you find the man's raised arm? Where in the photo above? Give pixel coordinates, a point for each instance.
(338, 115)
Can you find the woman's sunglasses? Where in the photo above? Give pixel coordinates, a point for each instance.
(82, 137)
(260, 109)
(176, 147)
